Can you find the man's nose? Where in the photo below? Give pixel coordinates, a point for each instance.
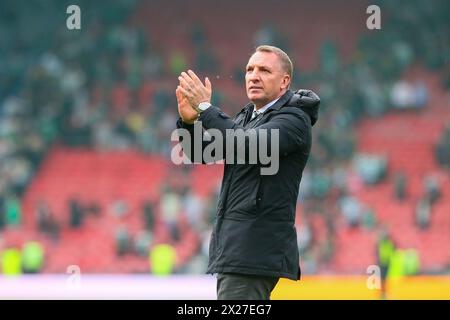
(253, 76)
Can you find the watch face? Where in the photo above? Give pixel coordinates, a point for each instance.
(203, 106)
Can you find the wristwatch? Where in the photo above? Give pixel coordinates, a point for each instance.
(202, 106)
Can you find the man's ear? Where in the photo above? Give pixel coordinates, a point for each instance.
(286, 82)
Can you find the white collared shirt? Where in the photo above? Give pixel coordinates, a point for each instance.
(262, 109)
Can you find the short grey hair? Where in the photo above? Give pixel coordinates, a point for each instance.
(286, 63)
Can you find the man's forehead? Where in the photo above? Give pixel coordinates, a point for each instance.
(262, 58)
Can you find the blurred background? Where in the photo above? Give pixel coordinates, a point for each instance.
(86, 117)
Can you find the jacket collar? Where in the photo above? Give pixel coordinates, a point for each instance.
(282, 101)
(306, 100)
(276, 106)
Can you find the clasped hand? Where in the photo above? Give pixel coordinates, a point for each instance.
(190, 93)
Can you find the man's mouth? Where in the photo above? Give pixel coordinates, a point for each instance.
(254, 88)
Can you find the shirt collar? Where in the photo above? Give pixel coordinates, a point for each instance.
(267, 106)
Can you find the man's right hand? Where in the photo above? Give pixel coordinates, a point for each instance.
(187, 113)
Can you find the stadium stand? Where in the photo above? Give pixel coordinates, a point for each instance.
(86, 119)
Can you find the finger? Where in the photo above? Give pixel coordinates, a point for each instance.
(194, 77)
(208, 84)
(184, 83)
(184, 91)
(178, 94)
(187, 78)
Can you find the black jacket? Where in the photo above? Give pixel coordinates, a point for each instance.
(254, 231)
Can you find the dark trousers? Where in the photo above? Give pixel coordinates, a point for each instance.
(233, 286)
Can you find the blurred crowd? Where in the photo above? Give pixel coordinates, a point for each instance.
(108, 89)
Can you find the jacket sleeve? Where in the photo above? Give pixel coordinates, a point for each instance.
(290, 124)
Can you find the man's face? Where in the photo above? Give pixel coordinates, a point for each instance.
(265, 79)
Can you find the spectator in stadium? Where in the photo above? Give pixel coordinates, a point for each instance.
(162, 259)
(46, 221)
(443, 149)
(400, 186)
(32, 257)
(432, 188)
(123, 240)
(254, 242)
(13, 210)
(305, 237)
(403, 262)
(76, 213)
(42, 215)
(193, 209)
(143, 242)
(385, 250)
(351, 209)
(170, 205)
(11, 261)
(148, 214)
(423, 213)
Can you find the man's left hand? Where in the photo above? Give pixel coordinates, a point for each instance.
(193, 88)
